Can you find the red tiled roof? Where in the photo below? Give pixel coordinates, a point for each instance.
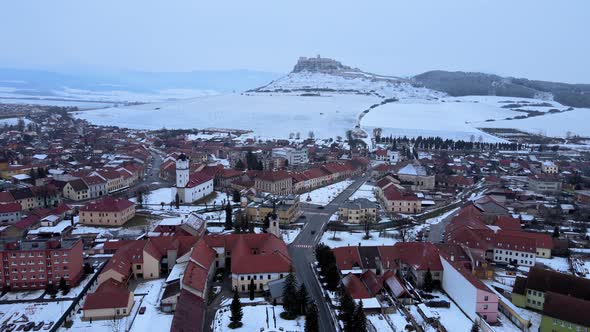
(197, 179)
(347, 257)
(6, 197)
(10, 207)
(189, 314)
(355, 287)
(273, 176)
(393, 194)
(108, 204)
(110, 294)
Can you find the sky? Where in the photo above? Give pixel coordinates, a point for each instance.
(537, 39)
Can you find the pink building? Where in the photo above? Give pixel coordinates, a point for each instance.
(470, 293)
(33, 264)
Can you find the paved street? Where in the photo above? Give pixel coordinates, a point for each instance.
(301, 249)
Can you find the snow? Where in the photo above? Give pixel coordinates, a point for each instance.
(35, 311)
(559, 264)
(13, 121)
(344, 239)
(323, 196)
(452, 318)
(255, 319)
(25, 295)
(326, 116)
(364, 191)
(153, 319)
(448, 120)
(289, 235)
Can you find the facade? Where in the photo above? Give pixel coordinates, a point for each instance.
(34, 264)
(563, 313)
(111, 300)
(417, 176)
(470, 293)
(545, 183)
(397, 201)
(76, 190)
(10, 213)
(279, 182)
(97, 186)
(293, 156)
(287, 208)
(358, 211)
(549, 167)
(107, 211)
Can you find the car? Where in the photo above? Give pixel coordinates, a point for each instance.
(302, 216)
(38, 326)
(95, 264)
(321, 207)
(216, 290)
(313, 232)
(142, 310)
(29, 326)
(48, 325)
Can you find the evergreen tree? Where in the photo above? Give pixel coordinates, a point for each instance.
(311, 319)
(62, 284)
(177, 201)
(359, 320)
(556, 232)
(240, 165)
(252, 286)
(347, 308)
(140, 199)
(428, 283)
(474, 327)
(290, 303)
(236, 312)
(236, 196)
(266, 223)
(228, 217)
(302, 299)
(332, 277)
(259, 166)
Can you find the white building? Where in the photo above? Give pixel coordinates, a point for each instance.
(293, 156)
(191, 187)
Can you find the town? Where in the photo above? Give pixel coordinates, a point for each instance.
(113, 229)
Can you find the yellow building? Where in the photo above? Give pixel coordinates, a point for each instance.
(107, 212)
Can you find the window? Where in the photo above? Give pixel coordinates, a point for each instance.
(485, 307)
(485, 298)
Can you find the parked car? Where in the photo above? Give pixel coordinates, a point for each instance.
(38, 326)
(142, 310)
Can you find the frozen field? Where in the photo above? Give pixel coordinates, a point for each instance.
(323, 196)
(459, 118)
(272, 116)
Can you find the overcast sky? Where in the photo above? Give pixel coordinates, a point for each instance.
(530, 38)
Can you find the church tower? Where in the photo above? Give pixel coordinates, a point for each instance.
(273, 227)
(182, 171)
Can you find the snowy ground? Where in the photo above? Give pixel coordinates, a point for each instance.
(453, 319)
(364, 191)
(323, 196)
(289, 235)
(257, 318)
(26, 295)
(559, 264)
(36, 312)
(459, 118)
(344, 239)
(326, 116)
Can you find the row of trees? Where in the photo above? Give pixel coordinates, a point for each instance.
(252, 163)
(327, 264)
(438, 143)
(351, 314)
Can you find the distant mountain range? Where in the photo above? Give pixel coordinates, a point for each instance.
(309, 76)
(41, 82)
(466, 84)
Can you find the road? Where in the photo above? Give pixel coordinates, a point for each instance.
(302, 248)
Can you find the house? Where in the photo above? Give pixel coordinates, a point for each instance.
(41, 262)
(97, 186)
(293, 156)
(116, 181)
(398, 201)
(418, 176)
(110, 300)
(549, 167)
(76, 190)
(286, 208)
(471, 294)
(10, 213)
(531, 291)
(583, 197)
(358, 211)
(259, 257)
(563, 313)
(544, 183)
(107, 211)
(275, 182)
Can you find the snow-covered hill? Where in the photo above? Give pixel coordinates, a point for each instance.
(321, 75)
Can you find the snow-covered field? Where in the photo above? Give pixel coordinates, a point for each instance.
(559, 264)
(326, 116)
(459, 118)
(344, 239)
(323, 196)
(364, 191)
(36, 312)
(255, 319)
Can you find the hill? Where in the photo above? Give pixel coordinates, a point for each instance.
(480, 84)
